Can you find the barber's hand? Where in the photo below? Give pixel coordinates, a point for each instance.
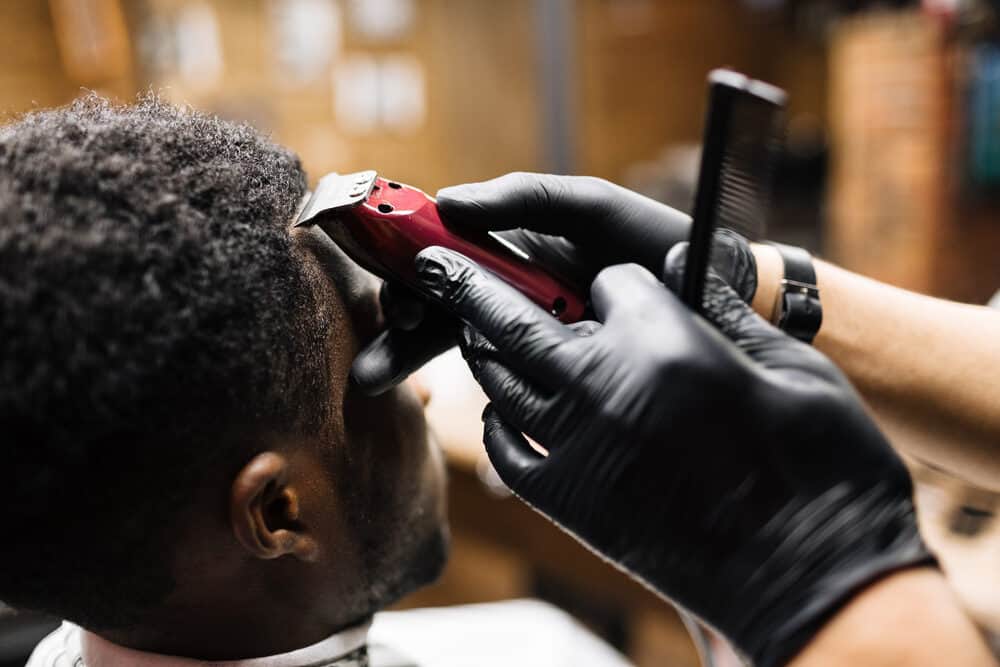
(573, 225)
(415, 332)
(729, 467)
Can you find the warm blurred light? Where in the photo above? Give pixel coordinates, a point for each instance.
(93, 40)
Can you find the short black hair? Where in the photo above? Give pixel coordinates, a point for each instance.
(153, 312)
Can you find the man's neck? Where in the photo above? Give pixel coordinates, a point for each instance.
(348, 645)
(242, 632)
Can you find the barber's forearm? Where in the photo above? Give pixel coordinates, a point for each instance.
(930, 369)
(910, 618)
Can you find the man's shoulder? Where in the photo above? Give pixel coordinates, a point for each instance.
(514, 632)
(61, 648)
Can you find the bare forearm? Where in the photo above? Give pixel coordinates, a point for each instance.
(929, 369)
(910, 618)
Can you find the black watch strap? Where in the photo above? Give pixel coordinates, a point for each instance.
(798, 311)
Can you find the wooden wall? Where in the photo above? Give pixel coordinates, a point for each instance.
(896, 212)
(642, 66)
(30, 70)
(482, 116)
(55, 49)
(888, 179)
(637, 81)
(482, 112)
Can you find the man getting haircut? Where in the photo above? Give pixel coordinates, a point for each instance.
(188, 471)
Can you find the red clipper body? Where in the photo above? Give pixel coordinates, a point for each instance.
(382, 225)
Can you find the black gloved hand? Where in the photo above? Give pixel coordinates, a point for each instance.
(734, 470)
(574, 225)
(416, 332)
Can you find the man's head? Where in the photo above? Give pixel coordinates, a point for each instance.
(178, 430)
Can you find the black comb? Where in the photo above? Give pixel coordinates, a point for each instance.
(744, 127)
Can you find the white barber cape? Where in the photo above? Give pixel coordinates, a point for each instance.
(517, 633)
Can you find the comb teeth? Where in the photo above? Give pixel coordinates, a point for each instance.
(747, 173)
(739, 153)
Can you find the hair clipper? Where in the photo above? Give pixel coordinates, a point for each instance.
(382, 225)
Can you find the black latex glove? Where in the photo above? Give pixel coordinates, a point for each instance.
(416, 332)
(730, 467)
(574, 225)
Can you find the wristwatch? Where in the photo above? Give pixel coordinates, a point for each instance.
(797, 310)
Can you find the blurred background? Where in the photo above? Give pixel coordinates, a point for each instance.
(891, 168)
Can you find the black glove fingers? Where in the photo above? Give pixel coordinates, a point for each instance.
(474, 344)
(493, 205)
(540, 202)
(589, 211)
(378, 366)
(721, 305)
(613, 224)
(574, 263)
(402, 308)
(509, 451)
(585, 328)
(759, 339)
(395, 354)
(633, 293)
(528, 338)
(515, 396)
(731, 258)
(521, 404)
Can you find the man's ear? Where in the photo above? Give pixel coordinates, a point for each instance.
(264, 511)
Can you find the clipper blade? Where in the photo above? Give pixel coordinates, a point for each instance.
(335, 192)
